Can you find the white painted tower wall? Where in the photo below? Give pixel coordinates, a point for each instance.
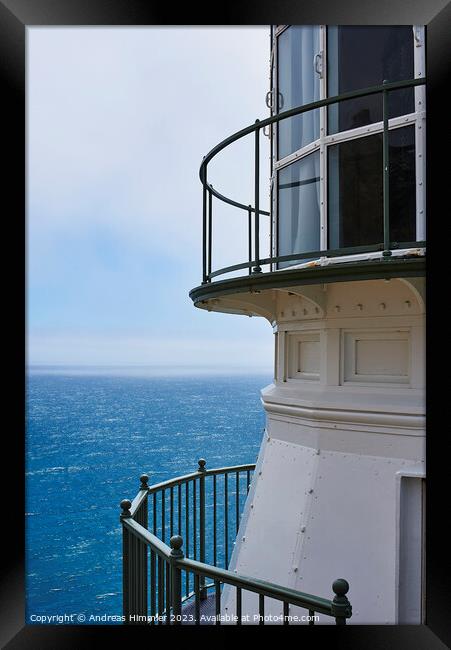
(339, 485)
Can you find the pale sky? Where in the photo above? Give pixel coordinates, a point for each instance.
(118, 120)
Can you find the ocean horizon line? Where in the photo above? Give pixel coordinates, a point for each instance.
(142, 370)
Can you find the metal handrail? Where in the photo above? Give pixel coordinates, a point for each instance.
(138, 502)
(254, 263)
(337, 252)
(268, 589)
(147, 537)
(179, 480)
(168, 562)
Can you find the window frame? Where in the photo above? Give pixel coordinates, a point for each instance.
(416, 118)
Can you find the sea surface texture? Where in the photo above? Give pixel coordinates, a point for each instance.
(88, 440)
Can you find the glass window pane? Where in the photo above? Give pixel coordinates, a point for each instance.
(355, 190)
(298, 208)
(298, 83)
(358, 57)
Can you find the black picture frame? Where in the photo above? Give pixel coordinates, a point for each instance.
(15, 17)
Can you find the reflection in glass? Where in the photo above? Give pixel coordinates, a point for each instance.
(298, 208)
(355, 190)
(298, 83)
(359, 57)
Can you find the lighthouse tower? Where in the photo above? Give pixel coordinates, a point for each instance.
(335, 262)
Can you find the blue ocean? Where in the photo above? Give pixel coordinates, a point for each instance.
(89, 437)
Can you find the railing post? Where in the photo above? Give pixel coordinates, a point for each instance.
(386, 173)
(204, 227)
(176, 543)
(142, 550)
(257, 267)
(201, 469)
(210, 228)
(341, 607)
(125, 514)
(142, 517)
(271, 227)
(249, 233)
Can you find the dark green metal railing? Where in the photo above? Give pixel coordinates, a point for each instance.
(160, 579)
(255, 262)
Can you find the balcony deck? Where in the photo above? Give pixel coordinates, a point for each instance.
(207, 610)
(383, 268)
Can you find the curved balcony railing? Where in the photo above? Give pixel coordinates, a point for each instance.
(254, 262)
(172, 584)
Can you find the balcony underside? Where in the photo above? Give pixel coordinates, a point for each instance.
(204, 295)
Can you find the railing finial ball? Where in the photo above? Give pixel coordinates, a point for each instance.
(176, 543)
(126, 504)
(144, 481)
(202, 462)
(340, 587)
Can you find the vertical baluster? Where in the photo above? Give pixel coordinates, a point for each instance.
(154, 517)
(238, 605)
(125, 514)
(130, 575)
(226, 521)
(195, 519)
(144, 610)
(144, 595)
(202, 470)
(248, 479)
(311, 614)
(163, 515)
(187, 531)
(138, 578)
(271, 226)
(180, 509)
(237, 502)
(204, 227)
(142, 574)
(214, 521)
(249, 234)
(386, 174)
(160, 589)
(286, 613)
(261, 609)
(146, 557)
(210, 227)
(197, 598)
(257, 268)
(153, 586)
(172, 511)
(218, 602)
(167, 572)
(133, 575)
